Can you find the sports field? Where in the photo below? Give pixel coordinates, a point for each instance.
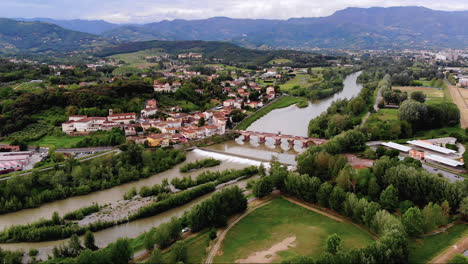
(282, 229)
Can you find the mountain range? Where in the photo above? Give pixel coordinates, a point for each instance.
(354, 28)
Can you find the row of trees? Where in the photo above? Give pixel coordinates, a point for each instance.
(204, 163)
(76, 178)
(217, 177)
(390, 248)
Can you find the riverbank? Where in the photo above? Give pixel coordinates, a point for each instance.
(281, 102)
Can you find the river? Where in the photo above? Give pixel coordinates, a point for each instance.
(293, 120)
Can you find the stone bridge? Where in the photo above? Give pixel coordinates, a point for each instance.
(279, 138)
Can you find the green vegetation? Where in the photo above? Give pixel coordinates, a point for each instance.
(204, 163)
(214, 176)
(424, 249)
(282, 102)
(62, 141)
(279, 61)
(82, 212)
(76, 178)
(281, 219)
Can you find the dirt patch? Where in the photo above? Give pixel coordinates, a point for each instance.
(267, 256)
(459, 96)
(358, 163)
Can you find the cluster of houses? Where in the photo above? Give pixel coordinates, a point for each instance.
(190, 55)
(176, 127)
(237, 96)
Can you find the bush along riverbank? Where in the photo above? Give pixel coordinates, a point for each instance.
(199, 164)
(74, 178)
(162, 200)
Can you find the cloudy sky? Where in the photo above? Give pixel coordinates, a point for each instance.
(143, 11)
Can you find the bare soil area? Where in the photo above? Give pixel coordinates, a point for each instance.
(267, 256)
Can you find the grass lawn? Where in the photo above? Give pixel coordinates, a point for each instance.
(423, 250)
(57, 141)
(282, 102)
(138, 59)
(280, 219)
(386, 114)
(196, 248)
(301, 79)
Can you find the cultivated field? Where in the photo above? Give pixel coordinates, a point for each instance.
(282, 229)
(460, 98)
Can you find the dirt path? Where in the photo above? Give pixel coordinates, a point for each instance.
(267, 256)
(219, 240)
(450, 252)
(459, 97)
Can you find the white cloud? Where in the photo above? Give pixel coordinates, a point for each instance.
(144, 11)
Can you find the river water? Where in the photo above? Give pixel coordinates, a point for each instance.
(293, 120)
(238, 154)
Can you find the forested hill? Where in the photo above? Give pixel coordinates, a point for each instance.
(365, 28)
(16, 36)
(86, 26)
(227, 52)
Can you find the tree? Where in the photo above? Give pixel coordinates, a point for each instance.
(459, 259)
(412, 220)
(373, 188)
(413, 112)
(179, 252)
(156, 257)
(389, 198)
(324, 194)
(201, 122)
(74, 245)
(120, 251)
(89, 241)
(337, 198)
(463, 209)
(418, 96)
(430, 222)
(333, 243)
(263, 187)
(213, 234)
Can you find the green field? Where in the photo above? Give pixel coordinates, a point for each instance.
(196, 248)
(271, 224)
(301, 79)
(279, 61)
(423, 250)
(137, 59)
(282, 102)
(57, 141)
(386, 114)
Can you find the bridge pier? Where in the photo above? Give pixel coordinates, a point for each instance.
(246, 137)
(277, 141)
(261, 139)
